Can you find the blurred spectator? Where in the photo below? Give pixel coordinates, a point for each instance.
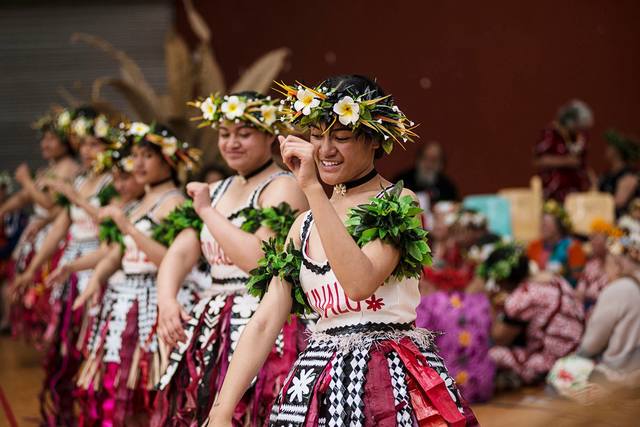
(557, 251)
(561, 152)
(451, 307)
(11, 226)
(537, 317)
(213, 173)
(594, 277)
(428, 175)
(621, 180)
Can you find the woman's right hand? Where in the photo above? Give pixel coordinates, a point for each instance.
(58, 276)
(171, 317)
(199, 192)
(91, 292)
(33, 229)
(299, 156)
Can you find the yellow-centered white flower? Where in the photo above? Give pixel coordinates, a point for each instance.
(233, 108)
(268, 114)
(208, 109)
(138, 129)
(169, 146)
(127, 164)
(64, 119)
(306, 100)
(79, 126)
(101, 127)
(348, 111)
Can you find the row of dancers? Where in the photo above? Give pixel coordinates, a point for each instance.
(258, 299)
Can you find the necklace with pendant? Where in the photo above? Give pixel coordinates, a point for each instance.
(341, 189)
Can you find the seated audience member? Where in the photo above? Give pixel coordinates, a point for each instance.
(213, 173)
(594, 277)
(428, 175)
(451, 306)
(560, 154)
(621, 180)
(630, 222)
(557, 251)
(537, 317)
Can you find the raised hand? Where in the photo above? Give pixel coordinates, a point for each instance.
(23, 173)
(199, 192)
(117, 215)
(299, 156)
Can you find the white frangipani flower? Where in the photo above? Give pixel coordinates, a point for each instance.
(208, 109)
(79, 126)
(101, 127)
(348, 111)
(306, 100)
(268, 114)
(169, 146)
(233, 107)
(138, 129)
(64, 119)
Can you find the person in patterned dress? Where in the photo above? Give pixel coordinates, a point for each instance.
(347, 260)
(131, 360)
(538, 318)
(230, 241)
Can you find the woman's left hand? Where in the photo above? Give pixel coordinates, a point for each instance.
(299, 156)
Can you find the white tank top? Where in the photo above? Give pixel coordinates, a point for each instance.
(226, 276)
(83, 227)
(135, 260)
(393, 302)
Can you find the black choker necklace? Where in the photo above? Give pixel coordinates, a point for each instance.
(341, 189)
(247, 177)
(159, 183)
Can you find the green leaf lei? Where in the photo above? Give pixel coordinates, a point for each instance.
(62, 200)
(285, 264)
(394, 219)
(182, 217)
(107, 194)
(279, 219)
(110, 233)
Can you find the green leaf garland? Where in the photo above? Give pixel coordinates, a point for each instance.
(182, 217)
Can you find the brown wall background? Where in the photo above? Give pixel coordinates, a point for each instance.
(483, 78)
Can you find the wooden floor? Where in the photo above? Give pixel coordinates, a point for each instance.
(21, 374)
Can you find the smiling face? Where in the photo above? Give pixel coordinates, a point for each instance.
(51, 146)
(244, 148)
(148, 165)
(127, 185)
(89, 149)
(340, 155)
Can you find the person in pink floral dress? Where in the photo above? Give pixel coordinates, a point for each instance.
(538, 317)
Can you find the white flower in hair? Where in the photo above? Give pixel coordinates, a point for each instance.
(169, 146)
(64, 119)
(101, 127)
(138, 129)
(208, 109)
(127, 164)
(268, 114)
(233, 107)
(348, 111)
(79, 126)
(306, 101)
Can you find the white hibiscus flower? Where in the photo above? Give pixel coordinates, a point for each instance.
(268, 114)
(169, 146)
(233, 108)
(138, 129)
(306, 101)
(79, 126)
(348, 111)
(208, 109)
(245, 305)
(300, 385)
(64, 119)
(101, 127)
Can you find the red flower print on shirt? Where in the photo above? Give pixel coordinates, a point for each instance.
(374, 303)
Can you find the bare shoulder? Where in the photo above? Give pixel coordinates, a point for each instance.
(169, 204)
(283, 189)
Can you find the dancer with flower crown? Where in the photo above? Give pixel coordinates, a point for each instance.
(229, 219)
(31, 311)
(126, 359)
(366, 363)
(77, 223)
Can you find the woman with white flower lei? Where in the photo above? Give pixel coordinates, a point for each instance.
(77, 225)
(366, 363)
(237, 213)
(157, 159)
(30, 314)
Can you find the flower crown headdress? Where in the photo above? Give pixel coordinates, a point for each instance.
(502, 269)
(363, 112)
(599, 225)
(98, 127)
(58, 121)
(117, 155)
(471, 218)
(262, 113)
(555, 209)
(178, 154)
